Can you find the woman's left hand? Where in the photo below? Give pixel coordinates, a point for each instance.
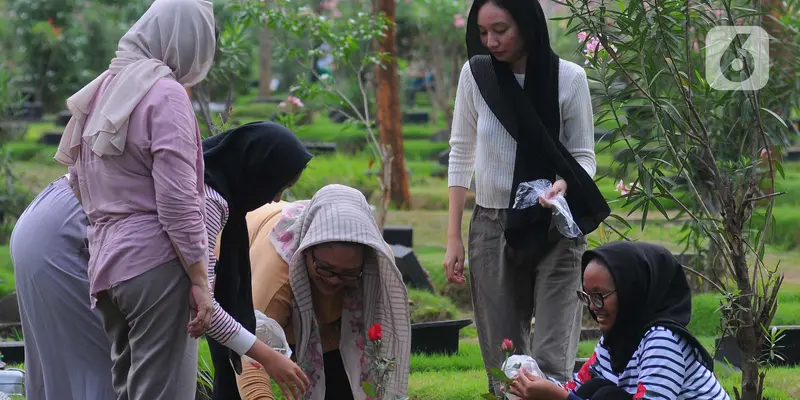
(530, 386)
(559, 187)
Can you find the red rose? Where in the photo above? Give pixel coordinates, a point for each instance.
(507, 346)
(375, 332)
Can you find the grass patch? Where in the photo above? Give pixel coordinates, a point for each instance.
(428, 307)
(7, 283)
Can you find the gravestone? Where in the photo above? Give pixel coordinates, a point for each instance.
(26, 111)
(13, 352)
(320, 147)
(444, 157)
(50, 139)
(414, 275)
(788, 347)
(793, 154)
(441, 136)
(338, 116)
(602, 136)
(628, 154)
(374, 172)
(62, 119)
(416, 118)
(639, 112)
(402, 235)
(9, 309)
(271, 99)
(440, 337)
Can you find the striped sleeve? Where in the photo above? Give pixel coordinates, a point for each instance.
(662, 367)
(224, 329)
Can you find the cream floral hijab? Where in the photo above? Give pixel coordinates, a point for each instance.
(339, 213)
(173, 39)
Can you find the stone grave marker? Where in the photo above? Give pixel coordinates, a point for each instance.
(787, 347)
(402, 235)
(320, 147)
(414, 275)
(62, 119)
(416, 118)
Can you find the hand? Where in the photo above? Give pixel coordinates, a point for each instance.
(202, 307)
(530, 386)
(559, 187)
(289, 377)
(454, 261)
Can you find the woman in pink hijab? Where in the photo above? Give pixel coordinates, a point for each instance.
(133, 148)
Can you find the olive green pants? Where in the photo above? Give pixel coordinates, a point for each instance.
(510, 286)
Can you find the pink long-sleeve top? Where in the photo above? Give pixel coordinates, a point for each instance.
(151, 196)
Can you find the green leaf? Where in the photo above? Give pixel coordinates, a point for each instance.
(776, 117)
(369, 388)
(779, 168)
(499, 375)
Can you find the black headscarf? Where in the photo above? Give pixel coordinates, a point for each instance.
(531, 115)
(247, 166)
(651, 290)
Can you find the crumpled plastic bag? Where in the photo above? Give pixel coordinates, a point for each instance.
(528, 194)
(271, 333)
(516, 362)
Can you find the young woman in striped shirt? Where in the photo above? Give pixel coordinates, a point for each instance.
(638, 294)
(245, 168)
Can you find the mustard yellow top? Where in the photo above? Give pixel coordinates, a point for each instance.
(272, 295)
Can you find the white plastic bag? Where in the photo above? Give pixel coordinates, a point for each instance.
(528, 194)
(517, 362)
(271, 333)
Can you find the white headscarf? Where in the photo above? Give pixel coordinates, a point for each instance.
(173, 39)
(339, 213)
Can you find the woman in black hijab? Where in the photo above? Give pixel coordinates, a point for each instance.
(522, 114)
(245, 168)
(639, 296)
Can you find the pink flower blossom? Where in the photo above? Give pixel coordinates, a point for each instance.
(295, 101)
(582, 36)
(622, 188)
(459, 21)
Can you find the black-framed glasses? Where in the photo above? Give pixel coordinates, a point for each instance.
(596, 299)
(326, 272)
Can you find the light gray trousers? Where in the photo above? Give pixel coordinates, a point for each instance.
(153, 356)
(509, 288)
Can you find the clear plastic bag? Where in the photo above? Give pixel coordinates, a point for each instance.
(271, 333)
(515, 363)
(528, 194)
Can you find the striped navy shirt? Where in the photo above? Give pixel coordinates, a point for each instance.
(664, 366)
(224, 328)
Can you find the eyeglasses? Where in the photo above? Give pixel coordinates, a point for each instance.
(595, 299)
(326, 272)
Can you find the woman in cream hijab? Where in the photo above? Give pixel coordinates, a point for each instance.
(133, 149)
(321, 269)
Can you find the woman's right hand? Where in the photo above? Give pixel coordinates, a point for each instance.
(289, 377)
(202, 305)
(454, 261)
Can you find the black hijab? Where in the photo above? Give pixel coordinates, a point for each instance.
(247, 166)
(651, 290)
(532, 116)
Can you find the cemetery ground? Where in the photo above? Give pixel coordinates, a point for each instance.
(459, 376)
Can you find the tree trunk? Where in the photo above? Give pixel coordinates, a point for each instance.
(265, 64)
(388, 102)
